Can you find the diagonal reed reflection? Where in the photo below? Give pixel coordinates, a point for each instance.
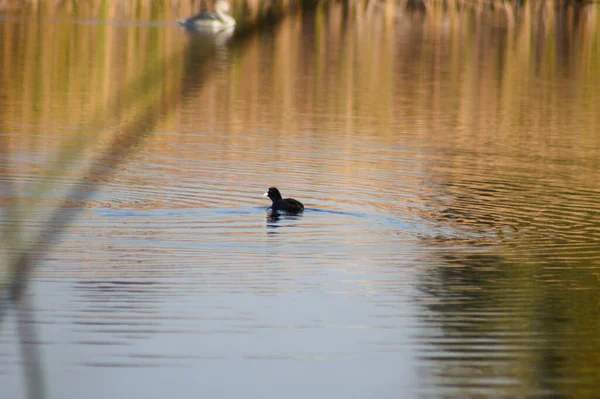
(131, 113)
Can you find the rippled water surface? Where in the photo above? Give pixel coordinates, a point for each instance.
(450, 173)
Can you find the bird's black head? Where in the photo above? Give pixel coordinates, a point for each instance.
(273, 193)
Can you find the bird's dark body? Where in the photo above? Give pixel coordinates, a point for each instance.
(280, 204)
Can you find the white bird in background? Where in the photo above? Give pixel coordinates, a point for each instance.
(220, 19)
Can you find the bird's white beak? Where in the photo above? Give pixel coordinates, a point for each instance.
(266, 194)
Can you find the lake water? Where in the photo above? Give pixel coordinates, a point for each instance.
(449, 164)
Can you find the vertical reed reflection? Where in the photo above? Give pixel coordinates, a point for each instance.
(511, 321)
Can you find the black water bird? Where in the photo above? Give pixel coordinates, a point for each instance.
(280, 204)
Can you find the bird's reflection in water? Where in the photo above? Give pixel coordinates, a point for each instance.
(219, 39)
(205, 44)
(276, 220)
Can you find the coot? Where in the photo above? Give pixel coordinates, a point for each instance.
(289, 205)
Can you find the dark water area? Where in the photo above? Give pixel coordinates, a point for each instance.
(449, 166)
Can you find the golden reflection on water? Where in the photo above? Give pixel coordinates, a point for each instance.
(378, 77)
(458, 148)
